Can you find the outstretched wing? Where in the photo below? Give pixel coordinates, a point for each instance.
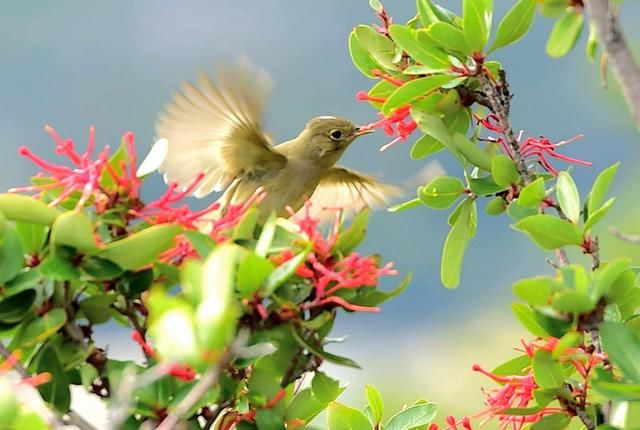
(215, 128)
(351, 191)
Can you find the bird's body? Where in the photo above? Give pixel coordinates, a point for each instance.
(215, 130)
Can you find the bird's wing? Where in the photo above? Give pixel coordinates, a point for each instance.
(215, 128)
(350, 191)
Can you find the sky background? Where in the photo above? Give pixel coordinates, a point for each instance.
(115, 64)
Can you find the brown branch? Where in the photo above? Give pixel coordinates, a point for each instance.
(604, 17)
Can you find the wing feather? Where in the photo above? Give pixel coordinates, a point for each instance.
(216, 128)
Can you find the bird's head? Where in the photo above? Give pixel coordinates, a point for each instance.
(325, 138)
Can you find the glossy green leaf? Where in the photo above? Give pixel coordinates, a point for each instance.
(32, 236)
(472, 152)
(414, 416)
(141, 248)
(515, 24)
(528, 319)
(449, 36)
(342, 417)
(59, 266)
(433, 125)
(202, 243)
(622, 346)
(535, 291)
(568, 196)
(97, 309)
(266, 236)
(572, 301)
(565, 33)
(376, 404)
(343, 361)
(352, 236)
(517, 212)
(504, 170)
(558, 421)
(476, 22)
(19, 207)
(569, 340)
(455, 246)
(598, 214)
(413, 90)
(304, 406)
(56, 391)
(376, 296)
(15, 307)
(245, 228)
(100, 268)
(600, 187)
(547, 372)
(268, 419)
(424, 53)
(606, 276)
(43, 327)
(605, 384)
(549, 232)
(496, 206)
(11, 254)
(515, 366)
(485, 186)
(253, 270)
(441, 192)
(74, 229)
(326, 389)
(430, 12)
(381, 48)
(283, 272)
(532, 194)
(400, 207)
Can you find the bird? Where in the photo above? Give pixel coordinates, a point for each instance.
(213, 128)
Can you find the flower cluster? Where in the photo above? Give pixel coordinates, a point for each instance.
(328, 274)
(532, 148)
(399, 123)
(517, 391)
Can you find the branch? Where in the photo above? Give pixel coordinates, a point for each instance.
(605, 19)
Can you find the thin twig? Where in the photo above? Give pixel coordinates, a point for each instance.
(631, 238)
(604, 17)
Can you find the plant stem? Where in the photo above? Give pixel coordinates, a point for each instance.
(604, 17)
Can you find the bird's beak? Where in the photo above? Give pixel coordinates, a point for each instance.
(361, 131)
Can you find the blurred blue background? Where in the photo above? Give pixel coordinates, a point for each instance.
(114, 64)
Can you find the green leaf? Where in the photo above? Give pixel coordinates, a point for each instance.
(56, 391)
(97, 309)
(141, 248)
(535, 291)
(202, 243)
(414, 416)
(374, 399)
(455, 246)
(266, 236)
(11, 254)
(472, 152)
(342, 417)
(600, 188)
(283, 272)
(558, 421)
(532, 194)
(605, 384)
(433, 125)
(376, 296)
(430, 13)
(74, 229)
(476, 22)
(517, 212)
(15, 307)
(485, 186)
(245, 228)
(568, 197)
(326, 389)
(547, 372)
(376, 5)
(332, 358)
(425, 53)
(253, 270)
(18, 207)
(598, 214)
(400, 207)
(304, 406)
(515, 24)
(623, 348)
(606, 276)
(504, 170)
(528, 319)
(352, 236)
(99, 268)
(32, 236)
(549, 232)
(565, 33)
(449, 36)
(360, 56)
(43, 327)
(572, 301)
(569, 340)
(515, 366)
(413, 90)
(381, 49)
(496, 206)
(441, 192)
(58, 266)
(268, 419)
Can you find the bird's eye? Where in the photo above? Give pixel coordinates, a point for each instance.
(335, 135)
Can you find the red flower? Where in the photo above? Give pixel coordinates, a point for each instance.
(537, 148)
(328, 274)
(84, 176)
(452, 424)
(127, 180)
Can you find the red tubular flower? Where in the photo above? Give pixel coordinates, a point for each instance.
(84, 176)
(128, 180)
(327, 274)
(533, 148)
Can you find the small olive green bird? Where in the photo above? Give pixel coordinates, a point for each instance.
(216, 129)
